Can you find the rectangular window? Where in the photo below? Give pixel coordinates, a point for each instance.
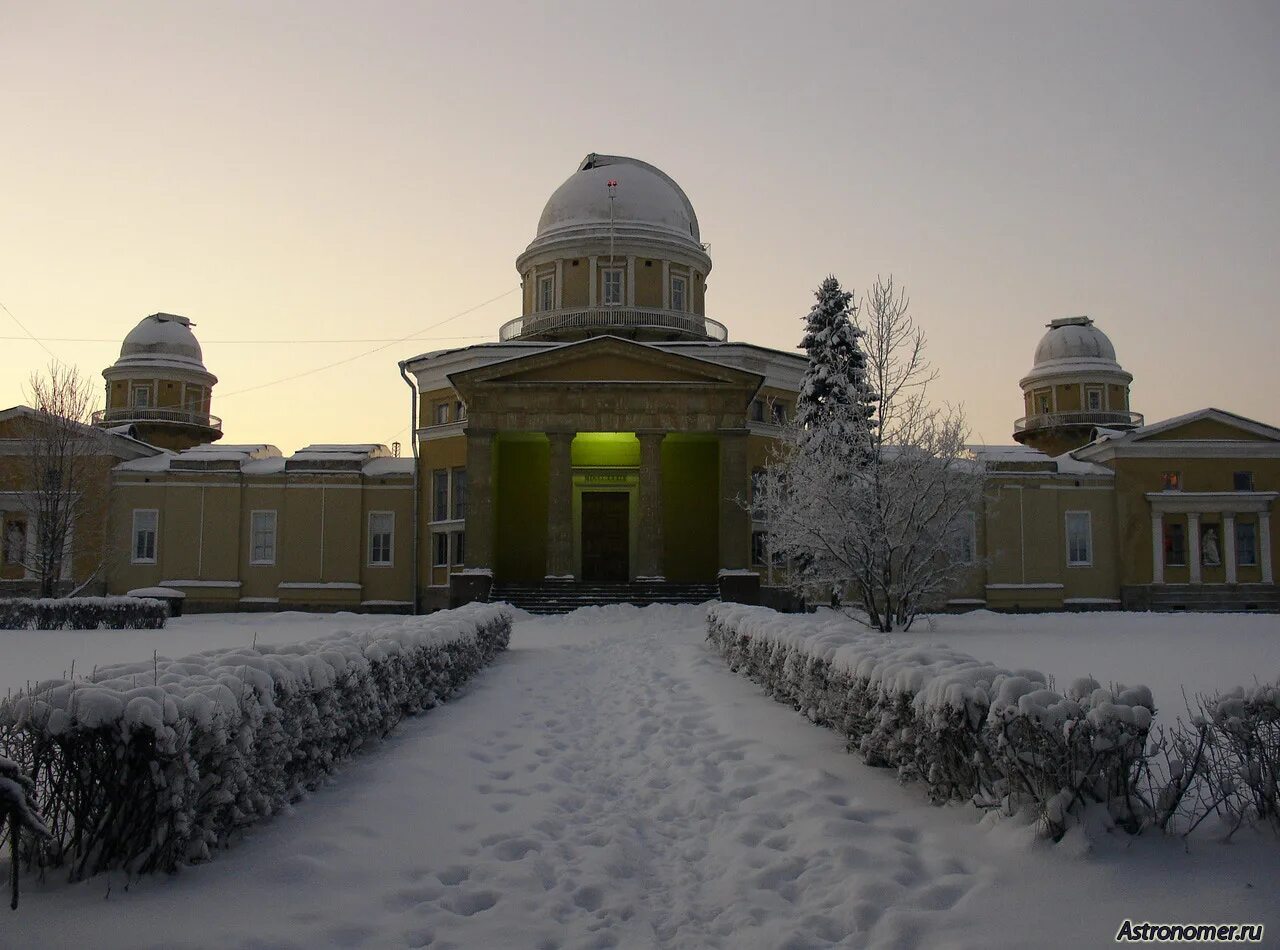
(1246, 544)
(1242, 481)
(440, 495)
(677, 293)
(1044, 403)
(779, 413)
(141, 397)
(262, 537)
(459, 539)
(441, 411)
(757, 410)
(1093, 399)
(613, 286)
(1171, 481)
(459, 505)
(1079, 539)
(1175, 545)
(146, 521)
(195, 398)
(547, 293)
(759, 548)
(382, 526)
(440, 549)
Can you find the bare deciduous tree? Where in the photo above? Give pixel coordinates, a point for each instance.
(59, 444)
(889, 523)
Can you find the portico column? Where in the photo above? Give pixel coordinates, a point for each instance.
(480, 498)
(1157, 548)
(1229, 545)
(1193, 545)
(735, 519)
(650, 547)
(560, 506)
(1264, 542)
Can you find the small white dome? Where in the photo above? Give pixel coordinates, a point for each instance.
(164, 336)
(646, 199)
(1074, 338)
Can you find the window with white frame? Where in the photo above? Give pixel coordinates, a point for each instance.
(613, 285)
(141, 397)
(262, 537)
(440, 549)
(1079, 539)
(547, 292)
(759, 547)
(678, 295)
(1093, 399)
(1242, 481)
(966, 538)
(382, 525)
(440, 495)
(146, 522)
(1246, 544)
(459, 543)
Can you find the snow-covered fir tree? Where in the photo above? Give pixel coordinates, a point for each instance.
(835, 401)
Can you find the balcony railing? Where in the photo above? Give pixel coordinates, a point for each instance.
(1106, 418)
(127, 414)
(607, 318)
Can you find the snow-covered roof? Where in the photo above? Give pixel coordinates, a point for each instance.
(369, 458)
(1021, 458)
(118, 441)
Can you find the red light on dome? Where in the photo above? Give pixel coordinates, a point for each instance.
(613, 183)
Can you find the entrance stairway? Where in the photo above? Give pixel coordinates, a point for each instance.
(1216, 598)
(552, 597)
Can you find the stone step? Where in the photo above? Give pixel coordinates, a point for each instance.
(561, 597)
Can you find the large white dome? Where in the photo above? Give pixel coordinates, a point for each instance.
(646, 200)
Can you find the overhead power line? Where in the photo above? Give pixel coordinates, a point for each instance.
(22, 326)
(385, 339)
(376, 349)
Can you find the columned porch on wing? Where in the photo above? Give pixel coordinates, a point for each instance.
(607, 507)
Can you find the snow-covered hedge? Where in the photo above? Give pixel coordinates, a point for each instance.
(153, 764)
(969, 730)
(18, 815)
(82, 613)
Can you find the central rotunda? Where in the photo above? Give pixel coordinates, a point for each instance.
(610, 435)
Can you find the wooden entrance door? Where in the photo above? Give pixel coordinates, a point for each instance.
(606, 537)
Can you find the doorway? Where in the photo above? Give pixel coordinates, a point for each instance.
(606, 537)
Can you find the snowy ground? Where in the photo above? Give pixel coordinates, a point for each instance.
(609, 783)
(1202, 652)
(34, 655)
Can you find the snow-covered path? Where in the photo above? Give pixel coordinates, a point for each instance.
(609, 783)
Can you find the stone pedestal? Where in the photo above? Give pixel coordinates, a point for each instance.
(467, 587)
(739, 587)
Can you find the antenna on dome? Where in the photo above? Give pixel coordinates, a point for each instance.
(613, 191)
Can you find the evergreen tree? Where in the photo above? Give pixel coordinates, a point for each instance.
(835, 401)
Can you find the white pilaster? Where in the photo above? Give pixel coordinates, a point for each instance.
(1193, 545)
(591, 290)
(1157, 548)
(1264, 546)
(559, 285)
(1229, 545)
(631, 281)
(666, 285)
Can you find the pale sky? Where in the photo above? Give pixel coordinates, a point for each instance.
(313, 171)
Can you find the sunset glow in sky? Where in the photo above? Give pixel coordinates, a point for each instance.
(292, 174)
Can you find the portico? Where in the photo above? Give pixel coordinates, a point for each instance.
(1213, 517)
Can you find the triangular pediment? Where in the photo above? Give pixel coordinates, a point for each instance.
(1208, 425)
(606, 360)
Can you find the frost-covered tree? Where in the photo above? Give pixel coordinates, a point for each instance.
(59, 486)
(835, 400)
(890, 526)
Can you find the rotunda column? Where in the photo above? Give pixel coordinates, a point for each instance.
(560, 506)
(649, 555)
(480, 500)
(735, 520)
